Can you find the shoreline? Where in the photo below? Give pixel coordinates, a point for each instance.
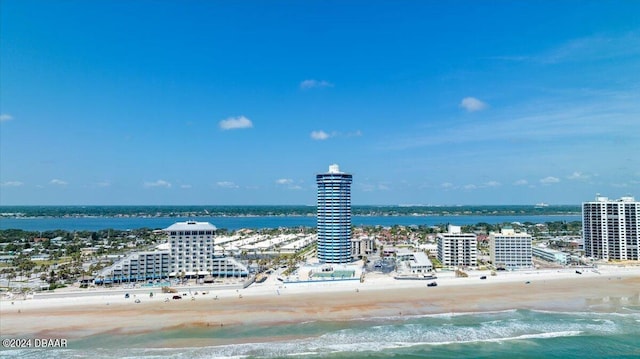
(274, 304)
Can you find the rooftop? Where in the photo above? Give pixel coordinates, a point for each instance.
(190, 226)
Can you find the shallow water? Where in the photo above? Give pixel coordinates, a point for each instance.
(502, 334)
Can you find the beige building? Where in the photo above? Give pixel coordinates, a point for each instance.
(457, 249)
(510, 250)
(361, 246)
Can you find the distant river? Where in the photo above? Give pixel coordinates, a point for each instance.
(233, 223)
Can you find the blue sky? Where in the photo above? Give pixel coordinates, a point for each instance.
(229, 102)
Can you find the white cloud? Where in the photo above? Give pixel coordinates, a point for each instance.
(289, 183)
(5, 117)
(58, 182)
(284, 181)
(593, 48)
(322, 135)
(446, 185)
(549, 180)
(309, 84)
(596, 47)
(573, 114)
(521, 182)
(158, 183)
(233, 123)
(11, 184)
(469, 187)
(579, 176)
(472, 104)
(226, 184)
(319, 135)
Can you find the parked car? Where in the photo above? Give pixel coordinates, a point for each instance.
(432, 284)
(483, 277)
(177, 297)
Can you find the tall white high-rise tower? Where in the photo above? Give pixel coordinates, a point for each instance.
(611, 228)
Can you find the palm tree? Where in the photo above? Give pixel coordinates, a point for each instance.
(10, 276)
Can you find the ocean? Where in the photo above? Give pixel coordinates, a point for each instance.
(257, 222)
(502, 334)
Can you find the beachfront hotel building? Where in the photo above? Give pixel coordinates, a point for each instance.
(334, 216)
(611, 228)
(191, 248)
(510, 250)
(137, 267)
(188, 253)
(457, 249)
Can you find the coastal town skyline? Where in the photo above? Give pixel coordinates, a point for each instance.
(472, 103)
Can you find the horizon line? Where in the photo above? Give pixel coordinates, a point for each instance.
(280, 205)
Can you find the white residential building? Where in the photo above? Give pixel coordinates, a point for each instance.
(611, 228)
(550, 255)
(457, 249)
(189, 251)
(191, 247)
(137, 267)
(413, 262)
(510, 250)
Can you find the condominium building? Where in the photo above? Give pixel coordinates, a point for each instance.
(137, 267)
(611, 228)
(457, 249)
(550, 255)
(362, 246)
(510, 250)
(334, 216)
(191, 247)
(189, 252)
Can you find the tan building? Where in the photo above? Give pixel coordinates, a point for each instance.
(457, 249)
(510, 250)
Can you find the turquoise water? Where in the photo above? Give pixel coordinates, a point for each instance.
(504, 334)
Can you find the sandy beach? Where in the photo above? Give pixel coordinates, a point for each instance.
(273, 303)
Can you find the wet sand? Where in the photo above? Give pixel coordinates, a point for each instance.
(274, 303)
